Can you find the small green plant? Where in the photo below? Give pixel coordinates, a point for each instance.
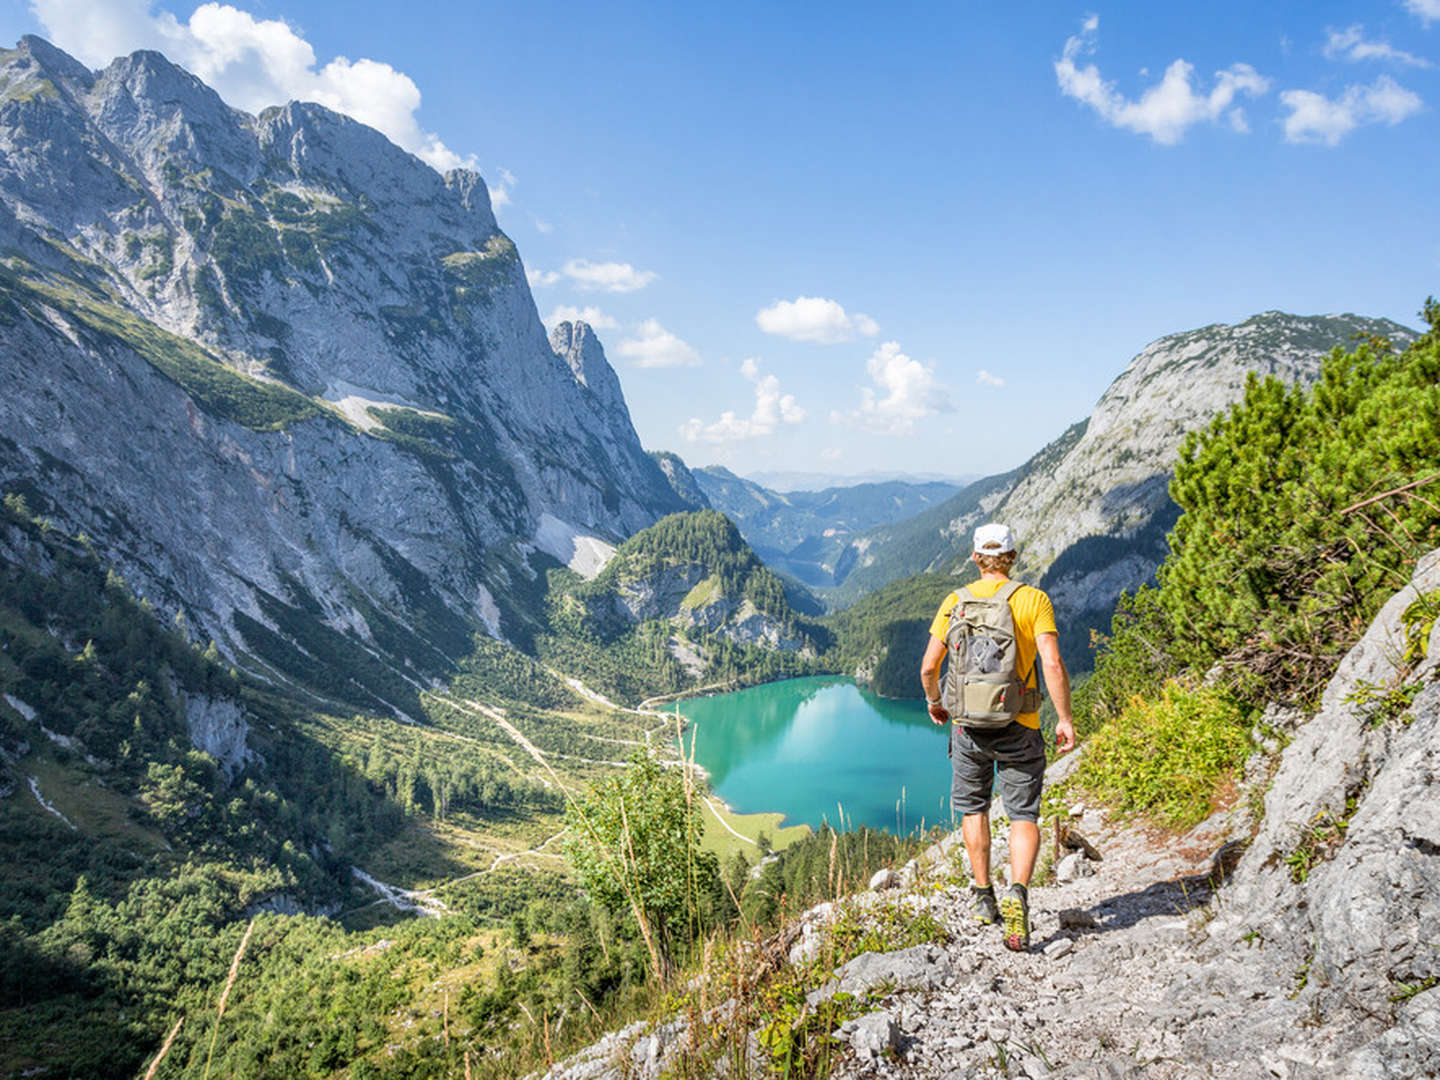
(1302, 977)
(1319, 841)
(1381, 704)
(1418, 620)
(1407, 991)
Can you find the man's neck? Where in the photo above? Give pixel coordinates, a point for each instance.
(994, 575)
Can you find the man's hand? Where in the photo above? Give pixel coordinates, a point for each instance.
(938, 713)
(1064, 735)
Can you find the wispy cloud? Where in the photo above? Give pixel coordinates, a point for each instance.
(252, 63)
(500, 190)
(1315, 118)
(544, 227)
(814, 318)
(1166, 110)
(541, 279)
(905, 391)
(984, 378)
(655, 347)
(1350, 44)
(1427, 10)
(772, 408)
(615, 277)
(597, 319)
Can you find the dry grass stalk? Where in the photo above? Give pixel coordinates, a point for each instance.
(467, 1065)
(225, 994)
(164, 1049)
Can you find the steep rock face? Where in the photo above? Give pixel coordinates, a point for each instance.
(283, 372)
(681, 479)
(1091, 510)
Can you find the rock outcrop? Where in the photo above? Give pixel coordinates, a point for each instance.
(289, 379)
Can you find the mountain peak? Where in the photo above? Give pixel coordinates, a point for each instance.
(52, 61)
(575, 343)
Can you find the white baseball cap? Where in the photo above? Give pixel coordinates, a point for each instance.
(993, 539)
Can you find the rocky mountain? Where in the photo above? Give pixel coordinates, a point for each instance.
(1091, 510)
(683, 602)
(287, 378)
(681, 479)
(804, 533)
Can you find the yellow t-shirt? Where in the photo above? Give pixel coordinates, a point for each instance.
(1034, 615)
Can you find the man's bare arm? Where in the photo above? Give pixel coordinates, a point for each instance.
(930, 678)
(1057, 681)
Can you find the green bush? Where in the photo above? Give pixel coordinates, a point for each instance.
(1167, 757)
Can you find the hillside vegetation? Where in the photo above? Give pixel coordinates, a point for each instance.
(1301, 510)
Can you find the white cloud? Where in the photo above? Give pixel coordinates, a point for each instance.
(984, 378)
(607, 277)
(541, 279)
(544, 227)
(1427, 10)
(1315, 118)
(910, 393)
(772, 408)
(1166, 110)
(252, 63)
(654, 346)
(597, 319)
(500, 190)
(1350, 44)
(832, 453)
(813, 318)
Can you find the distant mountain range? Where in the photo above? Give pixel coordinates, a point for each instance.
(801, 533)
(787, 481)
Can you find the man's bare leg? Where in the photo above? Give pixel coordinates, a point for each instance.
(976, 830)
(1024, 848)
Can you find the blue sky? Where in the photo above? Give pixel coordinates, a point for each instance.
(822, 237)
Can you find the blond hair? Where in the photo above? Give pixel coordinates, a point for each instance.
(999, 563)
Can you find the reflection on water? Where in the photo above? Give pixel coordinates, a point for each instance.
(805, 746)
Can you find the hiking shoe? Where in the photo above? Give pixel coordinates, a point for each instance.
(1015, 910)
(986, 910)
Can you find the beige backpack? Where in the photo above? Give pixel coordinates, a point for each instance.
(983, 684)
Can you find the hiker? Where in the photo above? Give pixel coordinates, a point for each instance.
(993, 631)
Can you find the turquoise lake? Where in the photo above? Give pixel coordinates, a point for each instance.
(806, 747)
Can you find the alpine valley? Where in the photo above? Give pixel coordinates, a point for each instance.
(329, 580)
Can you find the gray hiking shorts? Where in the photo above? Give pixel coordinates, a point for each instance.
(1016, 753)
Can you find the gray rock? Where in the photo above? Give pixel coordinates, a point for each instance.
(884, 879)
(874, 1034)
(1409, 1049)
(1061, 946)
(919, 967)
(1073, 867)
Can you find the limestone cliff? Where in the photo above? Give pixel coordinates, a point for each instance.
(288, 378)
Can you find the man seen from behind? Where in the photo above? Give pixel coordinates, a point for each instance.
(997, 634)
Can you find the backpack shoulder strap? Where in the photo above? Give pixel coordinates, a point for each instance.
(1009, 589)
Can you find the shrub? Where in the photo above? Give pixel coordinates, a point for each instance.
(1168, 756)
